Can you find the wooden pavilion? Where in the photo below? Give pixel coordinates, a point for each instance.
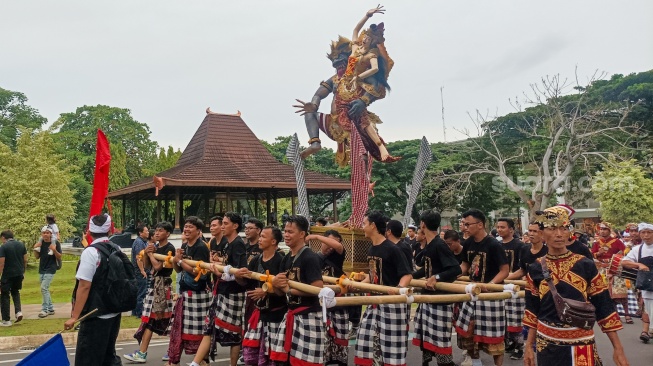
(224, 168)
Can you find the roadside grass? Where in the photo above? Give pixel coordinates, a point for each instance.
(63, 283)
(53, 326)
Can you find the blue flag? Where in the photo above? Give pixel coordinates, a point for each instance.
(52, 352)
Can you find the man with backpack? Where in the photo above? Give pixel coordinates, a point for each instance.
(48, 252)
(106, 282)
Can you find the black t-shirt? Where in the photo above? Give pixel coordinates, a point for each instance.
(485, 258)
(580, 248)
(304, 268)
(418, 252)
(387, 264)
(197, 252)
(164, 272)
(13, 252)
(407, 250)
(213, 244)
(438, 260)
(48, 263)
(513, 250)
(332, 263)
(527, 257)
(252, 251)
(232, 254)
(273, 307)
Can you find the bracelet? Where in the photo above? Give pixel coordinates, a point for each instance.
(289, 289)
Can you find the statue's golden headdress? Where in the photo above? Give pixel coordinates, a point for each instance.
(375, 32)
(337, 47)
(555, 216)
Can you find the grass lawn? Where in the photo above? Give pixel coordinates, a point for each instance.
(53, 326)
(63, 283)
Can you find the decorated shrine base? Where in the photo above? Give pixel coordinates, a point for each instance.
(355, 243)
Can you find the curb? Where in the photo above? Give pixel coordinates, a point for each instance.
(69, 339)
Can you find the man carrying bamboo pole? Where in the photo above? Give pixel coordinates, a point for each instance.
(301, 337)
(383, 333)
(224, 320)
(433, 322)
(481, 324)
(514, 307)
(187, 322)
(265, 321)
(332, 253)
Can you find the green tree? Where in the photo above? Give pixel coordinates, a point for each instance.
(35, 183)
(76, 138)
(625, 193)
(165, 160)
(14, 114)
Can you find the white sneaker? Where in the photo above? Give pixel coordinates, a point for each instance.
(19, 316)
(467, 361)
(43, 314)
(6, 323)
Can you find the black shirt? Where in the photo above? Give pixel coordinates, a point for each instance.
(438, 260)
(332, 263)
(485, 258)
(304, 268)
(513, 250)
(164, 272)
(213, 244)
(197, 252)
(252, 251)
(580, 248)
(407, 250)
(273, 307)
(48, 263)
(387, 264)
(527, 257)
(232, 254)
(13, 252)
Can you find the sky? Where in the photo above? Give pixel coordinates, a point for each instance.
(167, 61)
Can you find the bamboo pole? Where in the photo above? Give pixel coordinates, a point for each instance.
(365, 286)
(521, 283)
(431, 299)
(489, 286)
(455, 287)
(253, 275)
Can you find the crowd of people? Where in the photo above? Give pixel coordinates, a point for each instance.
(272, 323)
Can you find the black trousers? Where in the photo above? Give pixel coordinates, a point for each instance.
(96, 342)
(10, 286)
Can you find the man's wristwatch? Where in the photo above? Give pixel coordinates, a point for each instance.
(437, 277)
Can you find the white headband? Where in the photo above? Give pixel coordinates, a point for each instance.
(99, 229)
(47, 228)
(645, 226)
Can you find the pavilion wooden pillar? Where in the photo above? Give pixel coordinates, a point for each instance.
(292, 201)
(136, 204)
(256, 205)
(123, 216)
(166, 208)
(207, 215)
(228, 200)
(335, 206)
(276, 212)
(268, 207)
(178, 205)
(158, 209)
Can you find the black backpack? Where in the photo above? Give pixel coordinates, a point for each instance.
(120, 289)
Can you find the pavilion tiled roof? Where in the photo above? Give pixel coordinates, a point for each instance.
(224, 152)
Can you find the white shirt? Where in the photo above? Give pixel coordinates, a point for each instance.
(633, 256)
(88, 264)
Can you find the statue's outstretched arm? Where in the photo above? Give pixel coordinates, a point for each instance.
(309, 111)
(378, 10)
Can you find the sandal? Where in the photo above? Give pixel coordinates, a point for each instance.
(629, 320)
(644, 337)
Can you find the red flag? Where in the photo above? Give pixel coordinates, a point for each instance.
(101, 175)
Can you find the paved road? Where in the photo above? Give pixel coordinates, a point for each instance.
(638, 353)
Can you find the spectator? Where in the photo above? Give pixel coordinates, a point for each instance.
(13, 261)
(52, 223)
(321, 221)
(141, 276)
(47, 251)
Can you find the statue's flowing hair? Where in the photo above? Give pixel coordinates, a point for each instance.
(380, 76)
